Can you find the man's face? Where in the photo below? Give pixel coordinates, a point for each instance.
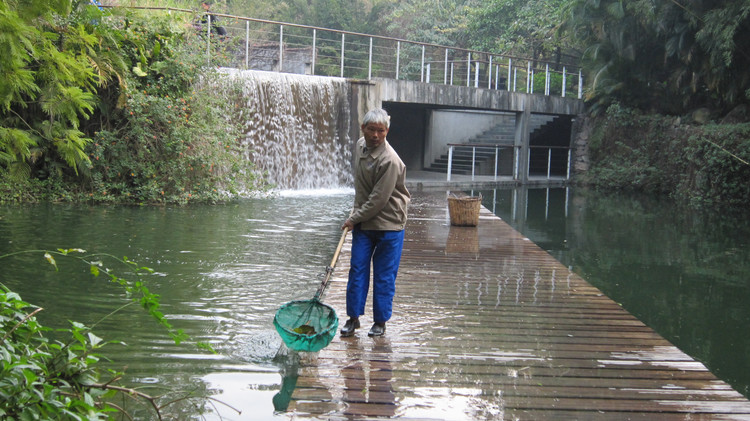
(374, 134)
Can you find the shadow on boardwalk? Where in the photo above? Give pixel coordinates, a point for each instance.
(489, 326)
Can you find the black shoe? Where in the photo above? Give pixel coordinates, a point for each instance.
(378, 329)
(350, 326)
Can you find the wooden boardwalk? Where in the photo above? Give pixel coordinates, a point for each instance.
(487, 325)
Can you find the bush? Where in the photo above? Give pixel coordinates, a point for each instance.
(155, 136)
(706, 164)
(59, 379)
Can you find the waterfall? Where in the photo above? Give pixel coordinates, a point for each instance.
(295, 127)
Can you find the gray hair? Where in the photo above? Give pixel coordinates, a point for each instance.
(377, 116)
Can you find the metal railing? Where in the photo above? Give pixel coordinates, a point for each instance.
(286, 47)
(556, 160)
(452, 147)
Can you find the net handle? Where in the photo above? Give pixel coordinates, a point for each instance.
(329, 269)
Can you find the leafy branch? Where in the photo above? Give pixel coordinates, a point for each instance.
(41, 378)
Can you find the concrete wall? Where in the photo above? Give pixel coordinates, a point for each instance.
(389, 90)
(455, 126)
(426, 117)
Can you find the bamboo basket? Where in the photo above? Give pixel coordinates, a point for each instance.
(464, 211)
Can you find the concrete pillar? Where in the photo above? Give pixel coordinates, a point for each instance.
(364, 96)
(522, 141)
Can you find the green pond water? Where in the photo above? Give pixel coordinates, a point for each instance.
(684, 273)
(222, 272)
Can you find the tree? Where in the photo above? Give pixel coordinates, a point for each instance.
(520, 28)
(53, 63)
(667, 56)
(441, 22)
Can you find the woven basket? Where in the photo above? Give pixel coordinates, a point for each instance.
(464, 211)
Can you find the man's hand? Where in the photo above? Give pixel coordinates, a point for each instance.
(348, 224)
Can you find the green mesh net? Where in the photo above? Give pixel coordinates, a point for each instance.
(307, 325)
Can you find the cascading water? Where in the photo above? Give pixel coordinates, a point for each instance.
(295, 127)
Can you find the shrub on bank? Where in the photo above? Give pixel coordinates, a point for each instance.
(142, 130)
(700, 164)
(55, 374)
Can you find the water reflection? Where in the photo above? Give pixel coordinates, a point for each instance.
(368, 389)
(221, 271)
(684, 273)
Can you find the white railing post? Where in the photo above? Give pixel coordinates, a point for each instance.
(497, 154)
(510, 66)
(528, 76)
(343, 42)
(421, 66)
(532, 82)
(476, 74)
(450, 161)
(452, 74)
(497, 76)
(468, 70)
(549, 162)
(429, 67)
(281, 48)
(516, 152)
(369, 62)
(564, 82)
(247, 44)
(314, 52)
(445, 71)
(208, 41)
(515, 78)
(567, 175)
(489, 74)
(546, 80)
(398, 57)
(473, 160)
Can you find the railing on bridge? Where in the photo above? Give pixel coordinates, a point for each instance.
(260, 44)
(541, 158)
(495, 149)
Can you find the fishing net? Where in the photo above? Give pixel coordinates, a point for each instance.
(309, 325)
(306, 325)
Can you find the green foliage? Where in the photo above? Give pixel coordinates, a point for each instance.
(46, 378)
(169, 141)
(519, 28)
(668, 57)
(434, 21)
(698, 164)
(49, 83)
(42, 378)
(155, 136)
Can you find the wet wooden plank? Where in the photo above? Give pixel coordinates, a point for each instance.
(489, 326)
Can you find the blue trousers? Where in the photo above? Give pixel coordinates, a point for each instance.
(383, 249)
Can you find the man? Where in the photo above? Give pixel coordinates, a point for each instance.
(215, 27)
(377, 223)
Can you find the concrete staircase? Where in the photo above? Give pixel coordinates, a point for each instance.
(502, 134)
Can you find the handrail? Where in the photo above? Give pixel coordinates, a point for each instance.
(339, 31)
(483, 145)
(491, 68)
(516, 150)
(474, 147)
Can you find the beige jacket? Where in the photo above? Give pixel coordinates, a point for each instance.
(380, 196)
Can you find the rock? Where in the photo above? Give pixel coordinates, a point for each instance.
(701, 115)
(739, 114)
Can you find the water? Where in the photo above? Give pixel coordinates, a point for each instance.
(684, 273)
(295, 128)
(221, 271)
